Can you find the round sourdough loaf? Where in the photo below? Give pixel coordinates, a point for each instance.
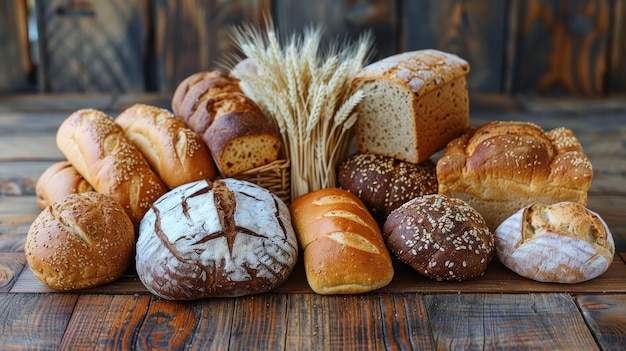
(559, 243)
(440, 237)
(214, 239)
(384, 183)
(81, 241)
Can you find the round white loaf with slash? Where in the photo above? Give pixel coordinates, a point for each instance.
(215, 239)
(559, 243)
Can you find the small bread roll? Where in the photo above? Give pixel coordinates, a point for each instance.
(58, 181)
(81, 241)
(440, 237)
(560, 243)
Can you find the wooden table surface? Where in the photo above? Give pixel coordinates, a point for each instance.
(498, 311)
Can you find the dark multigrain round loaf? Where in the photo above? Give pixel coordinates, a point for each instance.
(440, 237)
(215, 239)
(384, 183)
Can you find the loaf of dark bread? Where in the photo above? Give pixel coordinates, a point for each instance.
(384, 183)
(440, 237)
(210, 239)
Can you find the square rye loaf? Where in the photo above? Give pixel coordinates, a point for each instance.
(414, 104)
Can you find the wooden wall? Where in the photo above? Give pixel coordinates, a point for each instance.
(539, 47)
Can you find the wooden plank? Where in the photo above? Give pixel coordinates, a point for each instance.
(405, 322)
(168, 325)
(517, 321)
(20, 178)
(472, 29)
(105, 322)
(342, 20)
(214, 325)
(34, 321)
(16, 67)
(562, 47)
(617, 69)
(606, 317)
(93, 46)
(11, 264)
(259, 322)
(192, 36)
(29, 147)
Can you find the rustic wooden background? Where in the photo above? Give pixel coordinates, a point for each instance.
(538, 47)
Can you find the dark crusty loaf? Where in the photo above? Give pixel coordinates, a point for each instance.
(417, 100)
(222, 238)
(440, 237)
(97, 147)
(175, 152)
(80, 241)
(384, 183)
(58, 181)
(504, 166)
(344, 251)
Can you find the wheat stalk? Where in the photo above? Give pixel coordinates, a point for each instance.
(308, 94)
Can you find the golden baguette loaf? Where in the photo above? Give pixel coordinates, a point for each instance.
(344, 251)
(175, 152)
(504, 166)
(58, 181)
(100, 152)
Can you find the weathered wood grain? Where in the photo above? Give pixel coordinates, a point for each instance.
(34, 321)
(11, 265)
(193, 36)
(617, 68)
(342, 20)
(562, 47)
(259, 322)
(213, 328)
(405, 322)
(494, 321)
(606, 316)
(168, 325)
(17, 65)
(93, 46)
(111, 323)
(474, 30)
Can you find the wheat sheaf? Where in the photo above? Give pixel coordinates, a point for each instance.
(307, 91)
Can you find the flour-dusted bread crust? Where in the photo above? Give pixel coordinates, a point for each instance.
(97, 147)
(558, 243)
(210, 239)
(414, 104)
(58, 181)
(385, 183)
(176, 153)
(440, 237)
(344, 252)
(80, 241)
(504, 166)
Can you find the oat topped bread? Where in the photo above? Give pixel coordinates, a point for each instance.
(504, 166)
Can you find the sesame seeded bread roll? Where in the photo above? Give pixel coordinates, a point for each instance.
(97, 147)
(58, 181)
(384, 183)
(344, 252)
(502, 167)
(175, 152)
(414, 104)
(440, 237)
(80, 241)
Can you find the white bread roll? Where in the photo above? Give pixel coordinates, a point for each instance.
(344, 251)
(81, 241)
(175, 152)
(414, 104)
(101, 153)
(58, 181)
(559, 243)
(504, 166)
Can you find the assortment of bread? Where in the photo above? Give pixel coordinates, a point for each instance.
(163, 182)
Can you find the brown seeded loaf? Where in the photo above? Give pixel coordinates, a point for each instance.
(344, 251)
(417, 100)
(58, 181)
(502, 167)
(97, 147)
(175, 152)
(81, 241)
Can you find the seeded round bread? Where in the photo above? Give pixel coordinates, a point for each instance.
(58, 181)
(81, 241)
(384, 183)
(440, 237)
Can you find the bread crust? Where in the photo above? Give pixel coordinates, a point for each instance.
(176, 153)
(97, 147)
(58, 181)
